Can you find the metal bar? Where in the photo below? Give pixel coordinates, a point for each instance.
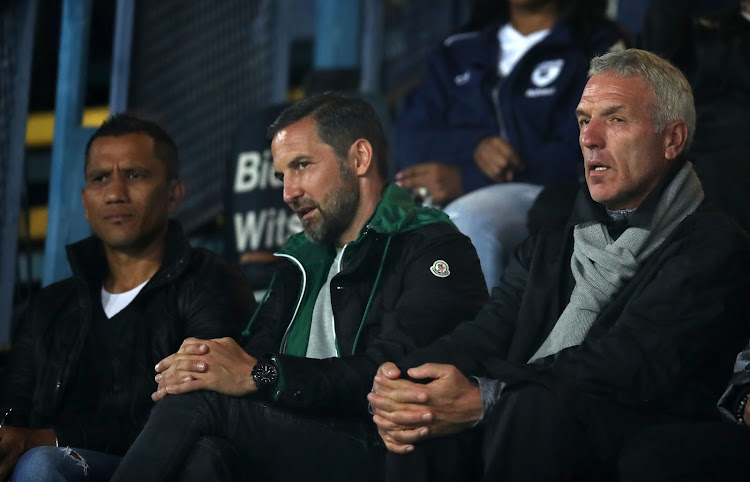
(66, 222)
(282, 47)
(121, 54)
(337, 33)
(372, 46)
(11, 198)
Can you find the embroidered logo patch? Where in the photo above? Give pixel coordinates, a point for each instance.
(546, 72)
(440, 269)
(462, 79)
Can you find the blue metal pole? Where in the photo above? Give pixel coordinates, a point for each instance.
(372, 46)
(121, 53)
(66, 222)
(282, 46)
(10, 199)
(337, 34)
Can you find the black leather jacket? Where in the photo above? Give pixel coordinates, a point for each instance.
(194, 293)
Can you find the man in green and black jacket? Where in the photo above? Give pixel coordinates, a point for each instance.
(372, 277)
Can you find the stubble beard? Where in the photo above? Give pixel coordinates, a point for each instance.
(337, 216)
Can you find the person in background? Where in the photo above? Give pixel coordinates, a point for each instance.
(712, 48)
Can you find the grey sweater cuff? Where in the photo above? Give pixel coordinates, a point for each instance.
(491, 391)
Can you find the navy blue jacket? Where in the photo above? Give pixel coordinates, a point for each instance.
(453, 108)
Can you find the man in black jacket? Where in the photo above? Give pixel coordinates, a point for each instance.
(80, 374)
(627, 317)
(372, 277)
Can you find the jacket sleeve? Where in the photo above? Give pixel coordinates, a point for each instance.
(22, 369)
(678, 332)
(425, 132)
(408, 313)
(739, 386)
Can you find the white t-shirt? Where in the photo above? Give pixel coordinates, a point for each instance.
(114, 303)
(514, 45)
(322, 341)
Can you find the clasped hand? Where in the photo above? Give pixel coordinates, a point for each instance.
(406, 412)
(219, 365)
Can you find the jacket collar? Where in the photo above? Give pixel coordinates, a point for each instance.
(559, 35)
(89, 263)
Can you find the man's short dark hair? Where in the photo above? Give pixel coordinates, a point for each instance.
(122, 124)
(340, 120)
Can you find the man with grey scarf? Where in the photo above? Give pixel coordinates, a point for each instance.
(627, 317)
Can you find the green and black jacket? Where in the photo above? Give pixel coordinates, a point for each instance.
(408, 278)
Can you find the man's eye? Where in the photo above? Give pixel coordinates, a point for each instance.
(302, 165)
(136, 175)
(583, 122)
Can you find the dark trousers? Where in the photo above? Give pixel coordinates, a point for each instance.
(271, 444)
(533, 433)
(705, 452)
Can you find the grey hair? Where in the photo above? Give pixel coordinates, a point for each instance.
(673, 97)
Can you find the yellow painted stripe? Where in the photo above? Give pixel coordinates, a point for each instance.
(37, 223)
(41, 125)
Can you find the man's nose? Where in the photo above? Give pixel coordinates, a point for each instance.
(592, 134)
(117, 189)
(292, 191)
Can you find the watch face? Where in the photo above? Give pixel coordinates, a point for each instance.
(265, 373)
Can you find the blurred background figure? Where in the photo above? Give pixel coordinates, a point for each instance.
(712, 47)
(495, 110)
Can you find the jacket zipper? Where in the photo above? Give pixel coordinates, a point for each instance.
(495, 94)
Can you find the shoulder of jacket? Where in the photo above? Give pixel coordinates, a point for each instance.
(710, 220)
(204, 267)
(201, 257)
(54, 300)
(56, 290)
(426, 235)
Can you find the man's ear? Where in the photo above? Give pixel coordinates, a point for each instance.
(361, 153)
(675, 136)
(176, 194)
(83, 200)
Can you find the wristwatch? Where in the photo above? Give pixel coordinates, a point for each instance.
(740, 413)
(265, 374)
